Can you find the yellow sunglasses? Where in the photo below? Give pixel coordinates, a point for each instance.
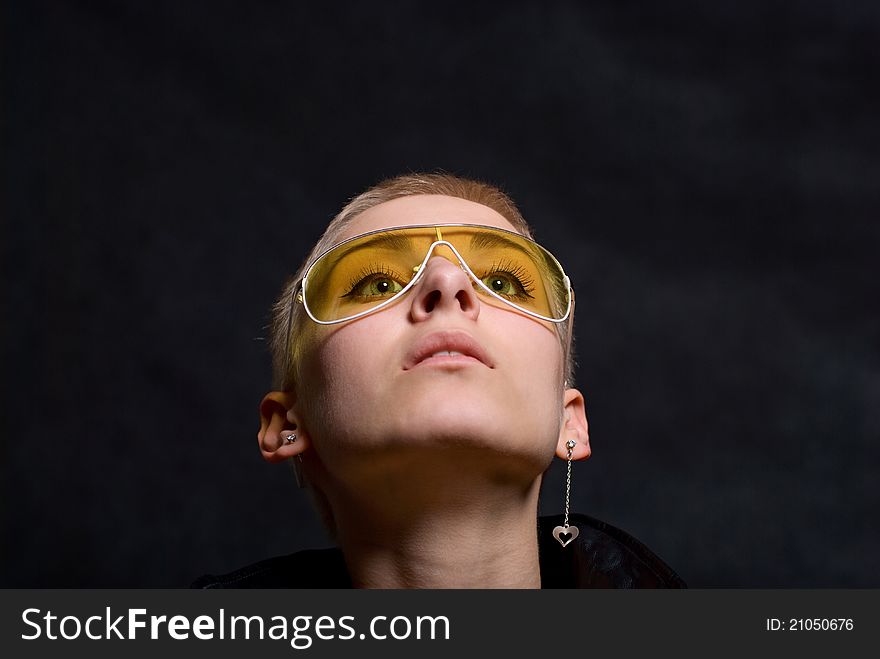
(369, 272)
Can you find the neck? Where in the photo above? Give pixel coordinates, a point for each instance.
(445, 529)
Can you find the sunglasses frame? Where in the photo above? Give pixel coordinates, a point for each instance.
(300, 288)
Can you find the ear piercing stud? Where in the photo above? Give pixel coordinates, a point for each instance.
(290, 439)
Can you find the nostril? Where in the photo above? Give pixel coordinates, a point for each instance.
(465, 299)
(431, 300)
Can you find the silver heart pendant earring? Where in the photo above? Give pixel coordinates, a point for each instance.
(565, 533)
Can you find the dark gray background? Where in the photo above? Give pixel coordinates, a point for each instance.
(707, 172)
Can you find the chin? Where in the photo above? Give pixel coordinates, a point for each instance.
(453, 416)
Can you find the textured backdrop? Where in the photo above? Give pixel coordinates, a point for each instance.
(707, 172)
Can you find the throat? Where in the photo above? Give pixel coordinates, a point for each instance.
(474, 539)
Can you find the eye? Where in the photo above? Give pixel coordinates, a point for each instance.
(509, 280)
(375, 286)
(503, 284)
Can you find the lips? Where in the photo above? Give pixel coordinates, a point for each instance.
(449, 346)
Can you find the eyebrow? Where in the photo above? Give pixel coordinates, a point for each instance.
(486, 239)
(390, 241)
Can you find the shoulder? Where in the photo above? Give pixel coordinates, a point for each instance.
(602, 556)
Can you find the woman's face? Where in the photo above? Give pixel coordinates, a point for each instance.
(368, 392)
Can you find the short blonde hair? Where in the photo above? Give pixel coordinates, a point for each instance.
(288, 316)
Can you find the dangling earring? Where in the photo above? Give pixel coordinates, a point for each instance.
(570, 532)
(295, 463)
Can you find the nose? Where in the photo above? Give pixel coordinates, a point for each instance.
(444, 288)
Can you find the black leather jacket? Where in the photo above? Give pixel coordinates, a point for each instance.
(602, 556)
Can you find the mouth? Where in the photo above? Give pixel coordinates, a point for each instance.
(447, 348)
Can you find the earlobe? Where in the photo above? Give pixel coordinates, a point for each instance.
(574, 427)
(280, 436)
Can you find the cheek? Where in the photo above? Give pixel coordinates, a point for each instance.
(341, 370)
(360, 350)
(535, 350)
(535, 370)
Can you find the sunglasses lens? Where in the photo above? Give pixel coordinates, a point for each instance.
(362, 273)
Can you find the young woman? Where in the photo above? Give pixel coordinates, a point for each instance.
(423, 368)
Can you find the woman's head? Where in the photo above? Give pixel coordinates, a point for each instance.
(372, 401)
(289, 318)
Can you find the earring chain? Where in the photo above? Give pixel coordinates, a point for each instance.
(568, 484)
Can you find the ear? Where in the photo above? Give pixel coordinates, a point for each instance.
(277, 420)
(574, 426)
